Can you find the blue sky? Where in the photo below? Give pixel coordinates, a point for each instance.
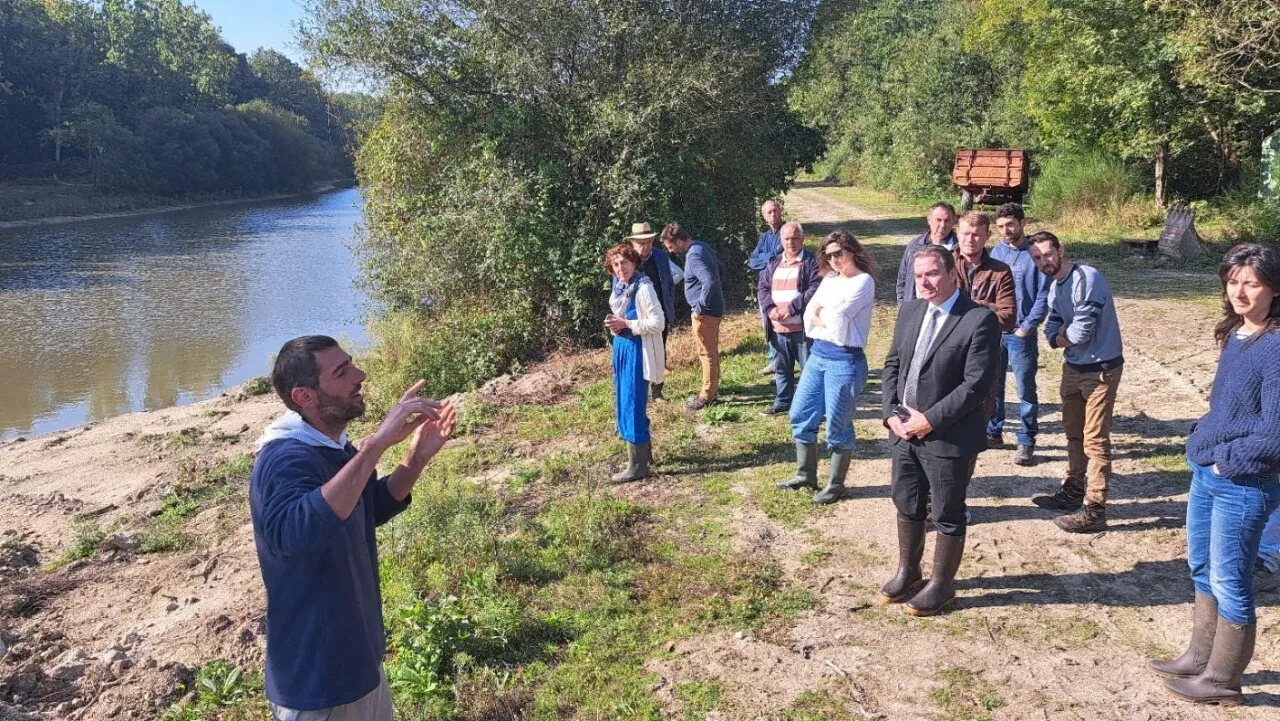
(251, 24)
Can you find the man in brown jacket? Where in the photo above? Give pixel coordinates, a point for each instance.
(987, 281)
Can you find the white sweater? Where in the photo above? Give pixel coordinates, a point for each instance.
(840, 311)
(648, 325)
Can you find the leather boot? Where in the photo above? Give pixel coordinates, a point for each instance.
(1204, 623)
(1219, 683)
(940, 591)
(806, 468)
(834, 491)
(656, 390)
(910, 550)
(638, 456)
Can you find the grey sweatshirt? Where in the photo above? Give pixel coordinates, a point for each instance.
(1082, 303)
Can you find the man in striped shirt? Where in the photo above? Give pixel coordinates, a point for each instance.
(786, 285)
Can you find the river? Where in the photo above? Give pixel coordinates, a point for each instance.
(110, 316)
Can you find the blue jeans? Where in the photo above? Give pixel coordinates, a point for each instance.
(1269, 549)
(1225, 518)
(770, 351)
(1023, 355)
(789, 350)
(828, 387)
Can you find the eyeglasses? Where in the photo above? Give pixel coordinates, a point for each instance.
(837, 254)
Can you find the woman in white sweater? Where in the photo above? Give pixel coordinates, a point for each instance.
(838, 319)
(636, 322)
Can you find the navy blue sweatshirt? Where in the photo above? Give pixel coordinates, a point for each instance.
(325, 638)
(1241, 431)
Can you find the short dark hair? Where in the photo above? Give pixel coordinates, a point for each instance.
(1045, 236)
(943, 255)
(296, 366)
(1011, 210)
(673, 231)
(942, 204)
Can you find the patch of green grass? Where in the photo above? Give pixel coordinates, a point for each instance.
(258, 386)
(84, 544)
(721, 413)
(1167, 462)
(817, 558)
(821, 706)
(964, 695)
(697, 698)
(185, 438)
(221, 436)
(195, 491)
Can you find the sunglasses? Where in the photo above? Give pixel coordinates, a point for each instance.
(836, 254)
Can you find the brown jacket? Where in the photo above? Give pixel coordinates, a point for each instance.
(990, 284)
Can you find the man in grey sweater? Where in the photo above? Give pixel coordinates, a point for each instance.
(1082, 322)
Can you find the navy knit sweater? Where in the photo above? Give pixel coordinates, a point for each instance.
(325, 639)
(1241, 431)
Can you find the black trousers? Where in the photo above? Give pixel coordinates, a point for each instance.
(917, 476)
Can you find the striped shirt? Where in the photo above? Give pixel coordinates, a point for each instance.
(785, 288)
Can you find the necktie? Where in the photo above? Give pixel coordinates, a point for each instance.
(917, 359)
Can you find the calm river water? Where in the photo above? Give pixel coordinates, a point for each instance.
(103, 317)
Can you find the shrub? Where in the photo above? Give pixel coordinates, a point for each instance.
(456, 351)
(1091, 181)
(1246, 218)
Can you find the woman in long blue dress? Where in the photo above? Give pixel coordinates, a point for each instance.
(636, 321)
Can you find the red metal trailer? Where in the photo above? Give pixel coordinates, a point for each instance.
(990, 176)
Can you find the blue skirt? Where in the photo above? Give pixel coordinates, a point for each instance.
(631, 392)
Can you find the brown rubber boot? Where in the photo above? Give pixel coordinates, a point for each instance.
(1092, 518)
(1204, 623)
(1219, 683)
(941, 589)
(910, 550)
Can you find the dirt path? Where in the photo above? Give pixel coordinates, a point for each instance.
(1049, 625)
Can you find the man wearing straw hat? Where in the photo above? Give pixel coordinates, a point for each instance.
(656, 264)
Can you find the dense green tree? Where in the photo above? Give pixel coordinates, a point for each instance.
(522, 139)
(143, 95)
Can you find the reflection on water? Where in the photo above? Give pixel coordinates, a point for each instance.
(104, 317)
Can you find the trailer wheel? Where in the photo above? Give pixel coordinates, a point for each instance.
(966, 201)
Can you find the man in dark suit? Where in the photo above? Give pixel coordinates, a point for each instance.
(936, 378)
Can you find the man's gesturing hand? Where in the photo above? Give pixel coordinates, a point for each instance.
(431, 437)
(406, 416)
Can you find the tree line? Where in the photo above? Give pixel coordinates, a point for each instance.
(1184, 91)
(145, 96)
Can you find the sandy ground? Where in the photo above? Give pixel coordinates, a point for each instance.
(1052, 625)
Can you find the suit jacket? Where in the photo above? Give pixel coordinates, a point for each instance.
(955, 379)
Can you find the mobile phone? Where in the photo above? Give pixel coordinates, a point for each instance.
(901, 411)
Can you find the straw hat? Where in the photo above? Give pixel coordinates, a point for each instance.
(641, 231)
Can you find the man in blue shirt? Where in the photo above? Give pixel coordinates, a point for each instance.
(315, 500)
(942, 223)
(1019, 349)
(703, 290)
(768, 247)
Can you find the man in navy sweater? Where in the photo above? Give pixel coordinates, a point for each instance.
(702, 288)
(942, 231)
(315, 500)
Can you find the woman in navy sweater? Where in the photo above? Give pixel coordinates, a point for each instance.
(1234, 454)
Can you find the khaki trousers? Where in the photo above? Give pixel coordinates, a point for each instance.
(706, 333)
(1088, 401)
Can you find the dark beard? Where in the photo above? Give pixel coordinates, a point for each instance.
(339, 411)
